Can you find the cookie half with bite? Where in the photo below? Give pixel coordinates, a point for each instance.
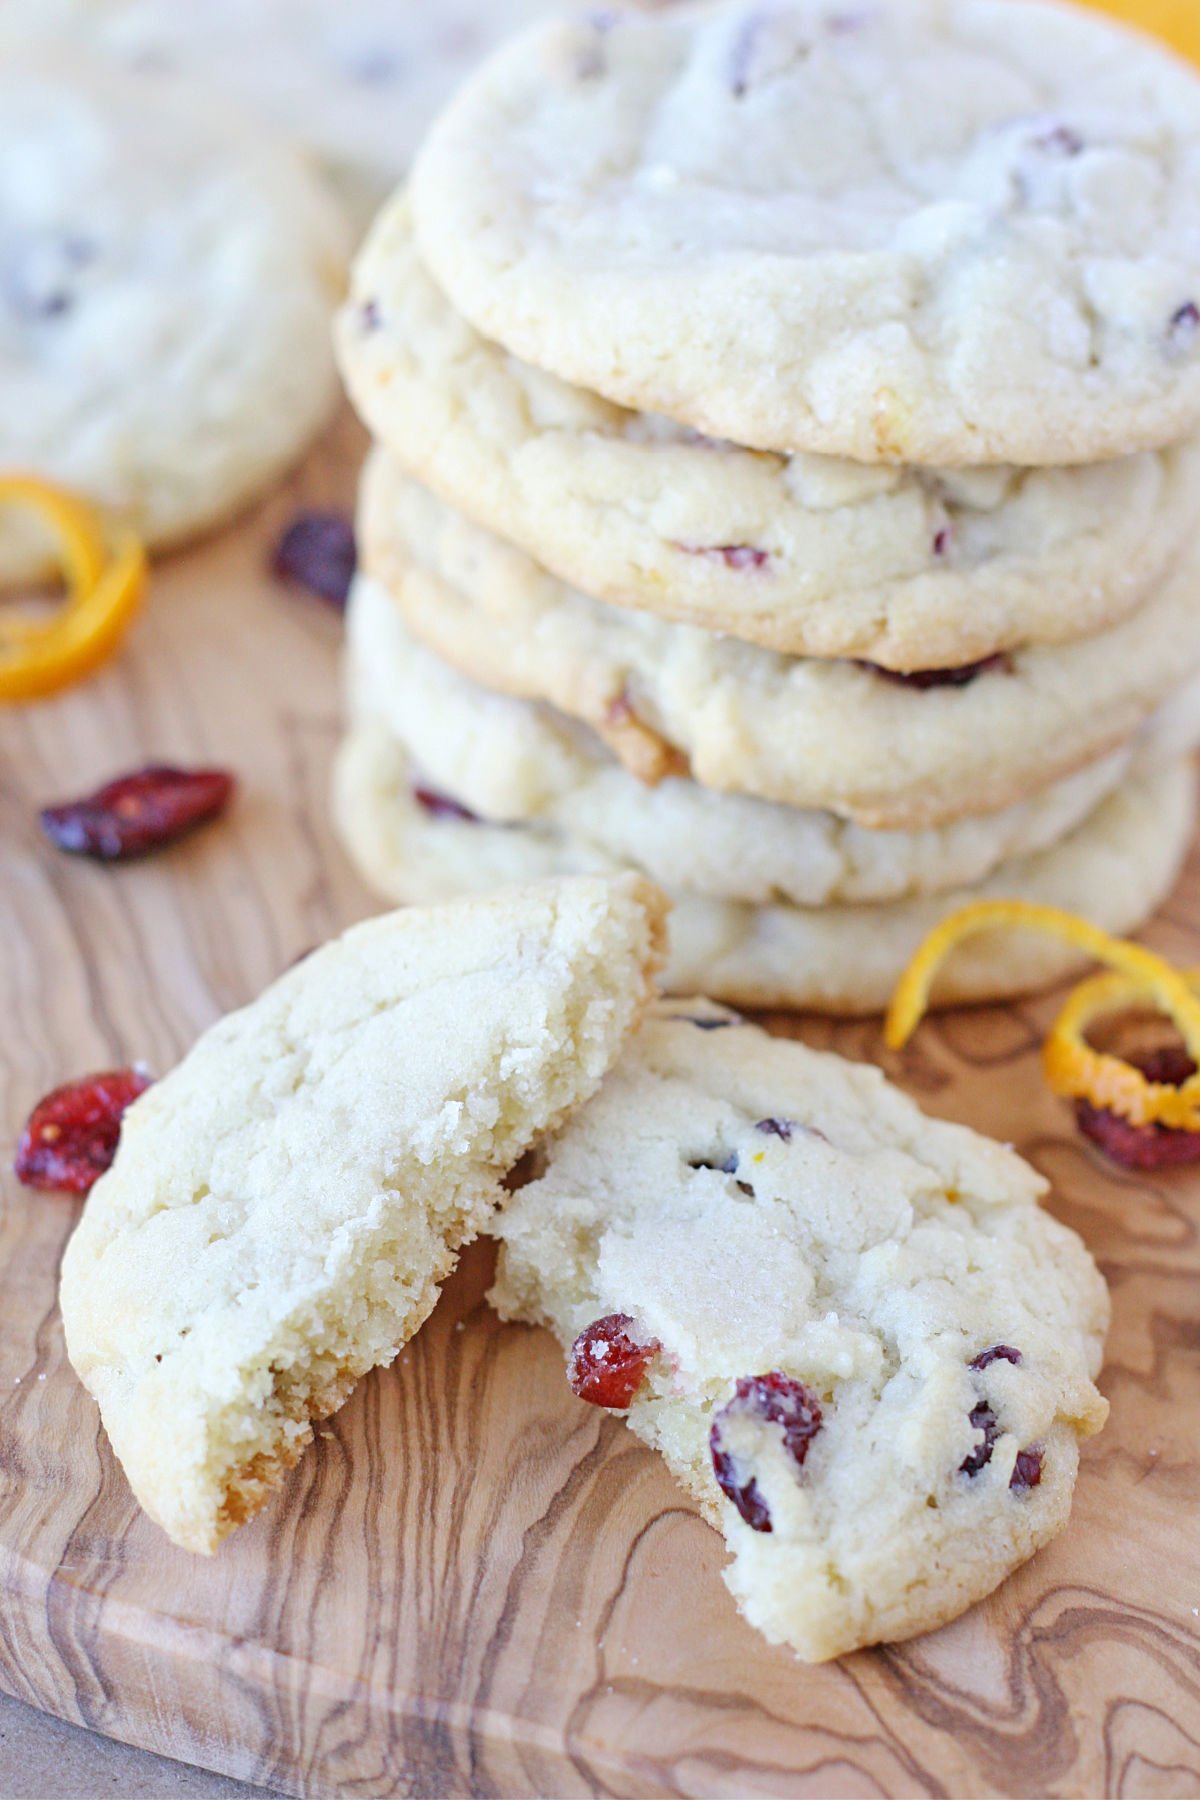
(284, 1205)
(857, 1338)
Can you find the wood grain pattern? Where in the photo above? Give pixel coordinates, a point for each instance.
(473, 1585)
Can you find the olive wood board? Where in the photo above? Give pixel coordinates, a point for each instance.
(473, 1584)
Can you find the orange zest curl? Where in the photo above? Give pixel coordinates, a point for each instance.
(1072, 1067)
(105, 588)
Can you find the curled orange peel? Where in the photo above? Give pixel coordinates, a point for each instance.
(1075, 1069)
(105, 589)
(1072, 1067)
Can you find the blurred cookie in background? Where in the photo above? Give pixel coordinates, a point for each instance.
(357, 80)
(167, 275)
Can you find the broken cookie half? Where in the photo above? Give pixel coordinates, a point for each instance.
(285, 1204)
(851, 1330)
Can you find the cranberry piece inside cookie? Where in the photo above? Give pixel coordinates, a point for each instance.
(936, 678)
(995, 1353)
(776, 1401)
(443, 806)
(1027, 1471)
(607, 1363)
(985, 1422)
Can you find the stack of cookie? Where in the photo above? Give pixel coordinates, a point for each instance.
(785, 483)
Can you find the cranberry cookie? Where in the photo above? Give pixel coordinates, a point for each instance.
(853, 1332)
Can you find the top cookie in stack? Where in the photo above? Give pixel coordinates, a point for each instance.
(816, 393)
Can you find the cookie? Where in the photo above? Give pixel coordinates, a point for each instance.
(808, 555)
(358, 82)
(166, 284)
(859, 1342)
(412, 842)
(512, 762)
(801, 731)
(284, 1205)
(921, 231)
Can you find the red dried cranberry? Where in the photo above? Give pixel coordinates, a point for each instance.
(995, 1353)
(1184, 323)
(45, 285)
(592, 62)
(1151, 1146)
(317, 552)
(734, 556)
(941, 541)
(1060, 140)
(441, 806)
(781, 1401)
(780, 1128)
(1027, 1471)
(375, 65)
(937, 678)
(982, 1419)
(138, 812)
(1169, 1065)
(607, 1363)
(742, 54)
(70, 1137)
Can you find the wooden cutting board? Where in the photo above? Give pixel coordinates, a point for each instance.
(473, 1585)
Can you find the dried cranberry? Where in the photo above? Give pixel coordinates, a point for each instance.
(936, 678)
(592, 62)
(1184, 323)
(607, 1363)
(1151, 1146)
(441, 806)
(138, 812)
(941, 540)
(44, 282)
(780, 1401)
(742, 54)
(780, 1128)
(1027, 1470)
(70, 1137)
(734, 556)
(1060, 140)
(982, 1419)
(375, 66)
(1169, 1065)
(996, 1353)
(317, 552)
